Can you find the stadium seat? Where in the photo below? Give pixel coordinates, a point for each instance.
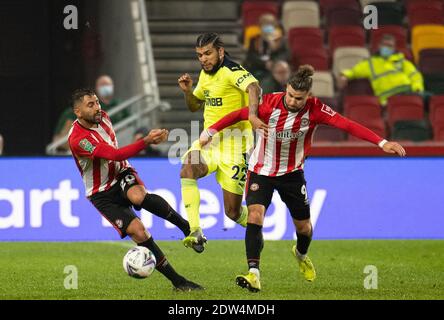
(389, 13)
(367, 2)
(412, 130)
(250, 32)
(404, 107)
(434, 83)
(376, 125)
(332, 102)
(438, 132)
(436, 109)
(425, 12)
(326, 133)
(345, 36)
(358, 87)
(398, 32)
(326, 5)
(431, 61)
(300, 14)
(323, 84)
(347, 57)
(317, 57)
(252, 10)
(407, 53)
(426, 37)
(362, 108)
(343, 16)
(300, 38)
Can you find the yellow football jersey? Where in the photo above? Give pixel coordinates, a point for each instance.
(224, 92)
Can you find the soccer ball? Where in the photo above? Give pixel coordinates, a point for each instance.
(139, 262)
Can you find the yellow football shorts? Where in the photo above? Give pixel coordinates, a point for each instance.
(227, 159)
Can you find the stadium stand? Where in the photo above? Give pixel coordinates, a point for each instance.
(300, 14)
(346, 36)
(404, 107)
(329, 35)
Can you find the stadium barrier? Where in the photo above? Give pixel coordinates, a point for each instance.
(42, 199)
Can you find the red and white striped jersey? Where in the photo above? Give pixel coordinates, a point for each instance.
(289, 136)
(290, 133)
(98, 174)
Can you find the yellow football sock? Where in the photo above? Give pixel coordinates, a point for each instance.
(191, 201)
(243, 217)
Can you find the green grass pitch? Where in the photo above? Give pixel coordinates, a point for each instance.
(410, 269)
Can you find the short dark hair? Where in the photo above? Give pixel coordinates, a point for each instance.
(78, 95)
(302, 79)
(209, 38)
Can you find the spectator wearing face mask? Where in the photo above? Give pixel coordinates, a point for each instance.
(268, 47)
(105, 93)
(389, 72)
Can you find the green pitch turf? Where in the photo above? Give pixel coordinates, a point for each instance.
(406, 270)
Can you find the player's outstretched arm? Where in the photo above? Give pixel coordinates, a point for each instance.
(228, 120)
(186, 85)
(364, 133)
(108, 152)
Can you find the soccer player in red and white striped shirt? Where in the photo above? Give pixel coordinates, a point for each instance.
(113, 186)
(290, 119)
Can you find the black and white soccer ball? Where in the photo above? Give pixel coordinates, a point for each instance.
(139, 262)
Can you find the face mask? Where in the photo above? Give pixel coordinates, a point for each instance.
(268, 28)
(106, 90)
(386, 51)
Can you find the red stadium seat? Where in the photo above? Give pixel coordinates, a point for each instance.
(325, 133)
(366, 111)
(436, 109)
(399, 32)
(332, 102)
(362, 108)
(408, 54)
(326, 5)
(305, 37)
(343, 16)
(376, 125)
(404, 107)
(358, 87)
(438, 132)
(252, 10)
(317, 57)
(431, 61)
(425, 12)
(346, 36)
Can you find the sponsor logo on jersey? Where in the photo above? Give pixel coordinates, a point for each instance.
(305, 122)
(241, 79)
(213, 102)
(286, 135)
(86, 145)
(326, 109)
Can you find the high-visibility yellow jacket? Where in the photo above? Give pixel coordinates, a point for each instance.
(388, 76)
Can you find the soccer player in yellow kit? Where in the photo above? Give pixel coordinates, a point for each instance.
(224, 86)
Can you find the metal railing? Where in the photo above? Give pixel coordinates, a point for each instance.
(141, 106)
